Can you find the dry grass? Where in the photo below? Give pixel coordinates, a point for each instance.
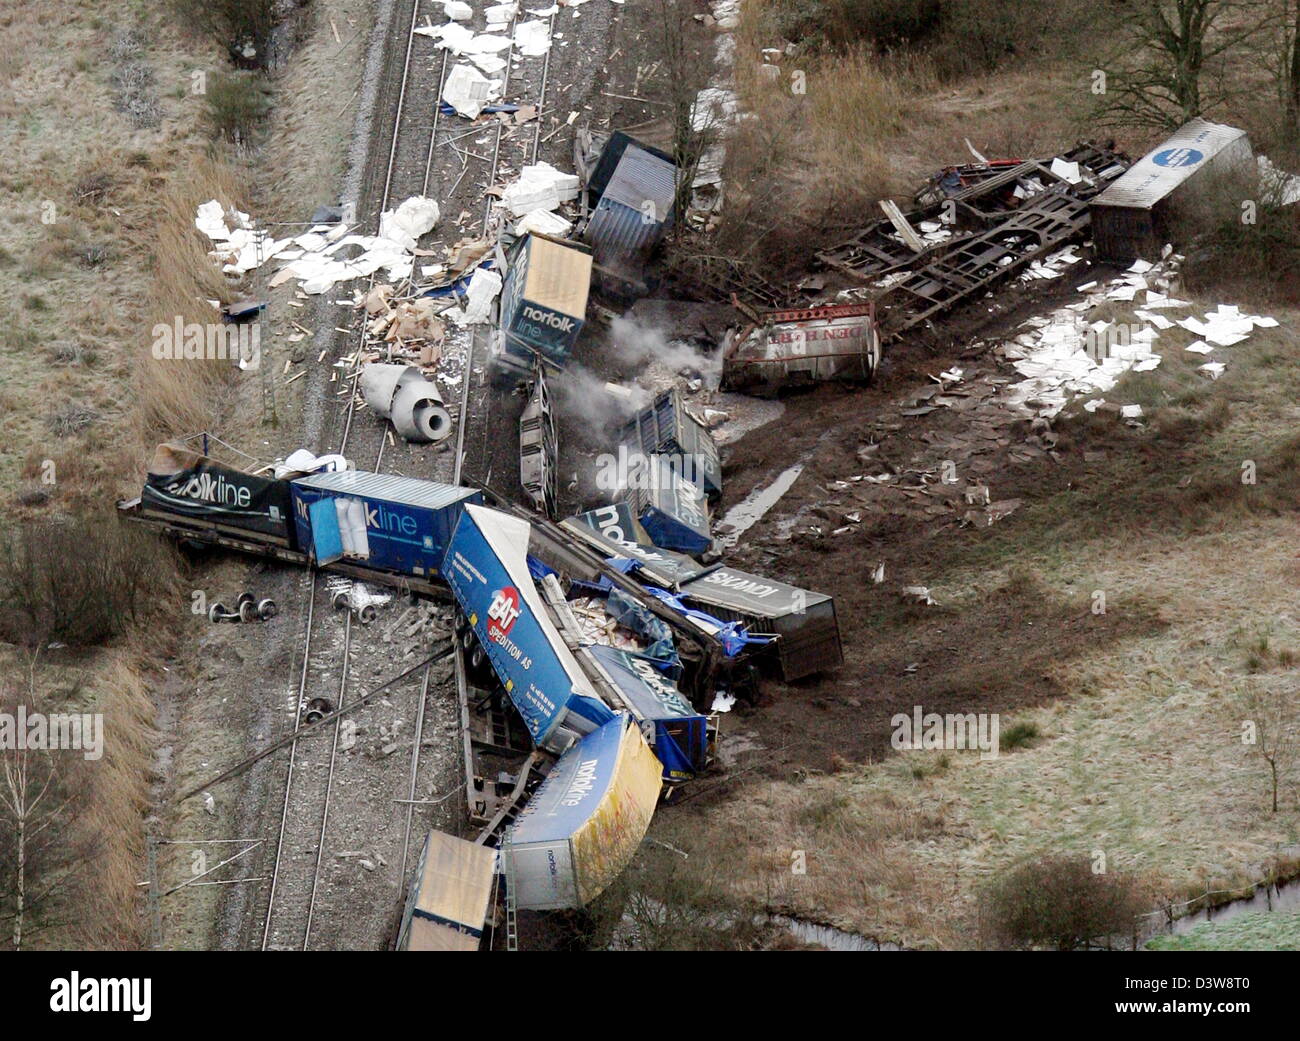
(84, 235)
(107, 160)
(833, 132)
(118, 806)
(178, 397)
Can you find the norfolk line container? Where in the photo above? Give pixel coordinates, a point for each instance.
(1134, 217)
(667, 428)
(186, 484)
(672, 510)
(399, 524)
(804, 622)
(613, 531)
(543, 301)
(582, 827)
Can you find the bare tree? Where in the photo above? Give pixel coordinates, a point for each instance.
(675, 84)
(1165, 51)
(1289, 80)
(42, 855)
(1271, 707)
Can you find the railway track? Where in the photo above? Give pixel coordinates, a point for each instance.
(423, 157)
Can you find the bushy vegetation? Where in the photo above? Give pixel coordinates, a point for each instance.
(236, 105)
(958, 36)
(1059, 902)
(235, 24)
(77, 581)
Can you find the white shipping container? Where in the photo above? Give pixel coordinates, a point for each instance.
(1131, 217)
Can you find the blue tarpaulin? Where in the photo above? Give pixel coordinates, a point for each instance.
(734, 635)
(632, 616)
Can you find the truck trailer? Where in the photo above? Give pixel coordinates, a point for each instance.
(585, 822)
(1135, 216)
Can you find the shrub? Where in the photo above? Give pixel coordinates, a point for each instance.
(78, 581)
(1057, 901)
(233, 24)
(1018, 735)
(236, 105)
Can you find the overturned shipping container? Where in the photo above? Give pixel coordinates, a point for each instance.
(487, 569)
(613, 531)
(632, 191)
(543, 301)
(678, 734)
(582, 827)
(673, 511)
(667, 428)
(400, 524)
(184, 483)
(450, 896)
(804, 622)
(1135, 216)
(807, 345)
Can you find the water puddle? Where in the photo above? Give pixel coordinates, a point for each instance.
(750, 510)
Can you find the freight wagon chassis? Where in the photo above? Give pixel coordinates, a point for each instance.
(208, 533)
(877, 251)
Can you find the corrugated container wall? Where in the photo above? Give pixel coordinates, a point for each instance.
(635, 207)
(398, 524)
(1134, 217)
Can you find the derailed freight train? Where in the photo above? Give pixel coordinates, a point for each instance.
(597, 668)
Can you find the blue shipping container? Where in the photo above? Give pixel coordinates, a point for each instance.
(672, 510)
(681, 738)
(487, 569)
(544, 297)
(399, 524)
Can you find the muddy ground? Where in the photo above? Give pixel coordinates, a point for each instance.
(830, 533)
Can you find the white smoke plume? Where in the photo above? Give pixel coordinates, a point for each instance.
(631, 343)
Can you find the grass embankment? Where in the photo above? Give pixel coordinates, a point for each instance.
(109, 156)
(1256, 931)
